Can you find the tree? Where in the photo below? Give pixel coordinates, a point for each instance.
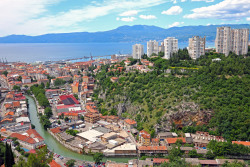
(33, 126)
(82, 117)
(210, 155)
(98, 157)
(176, 163)
(76, 96)
(40, 159)
(233, 164)
(66, 119)
(9, 157)
(16, 88)
(47, 85)
(175, 153)
(48, 112)
(5, 73)
(21, 162)
(59, 122)
(59, 82)
(70, 163)
(19, 78)
(193, 154)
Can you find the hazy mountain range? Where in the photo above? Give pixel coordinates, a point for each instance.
(137, 33)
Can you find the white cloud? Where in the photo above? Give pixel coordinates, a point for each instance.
(128, 19)
(248, 18)
(31, 17)
(129, 13)
(147, 17)
(225, 10)
(204, 0)
(183, 0)
(175, 24)
(174, 10)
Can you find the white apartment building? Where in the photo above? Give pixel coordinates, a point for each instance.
(138, 51)
(152, 47)
(196, 47)
(161, 47)
(235, 40)
(170, 47)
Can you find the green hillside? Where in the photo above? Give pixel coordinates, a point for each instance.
(219, 91)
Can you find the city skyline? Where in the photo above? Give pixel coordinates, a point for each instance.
(62, 16)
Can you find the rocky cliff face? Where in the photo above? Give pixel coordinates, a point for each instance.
(186, 114)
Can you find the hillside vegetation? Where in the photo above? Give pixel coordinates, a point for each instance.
(218, 91)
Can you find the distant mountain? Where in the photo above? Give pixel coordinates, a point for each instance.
(137, 33)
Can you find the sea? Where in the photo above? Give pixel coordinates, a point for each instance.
(33, 52)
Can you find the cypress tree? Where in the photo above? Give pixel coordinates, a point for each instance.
(6, 156)
(12, 160)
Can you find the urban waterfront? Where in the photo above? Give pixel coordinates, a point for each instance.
(54, 145)
(31, 52)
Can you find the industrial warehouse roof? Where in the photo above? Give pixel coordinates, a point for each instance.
(68, 99)
(90, 135)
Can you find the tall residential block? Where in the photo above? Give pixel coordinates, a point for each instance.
(161, 47)
(196, 47)
(170, 47)
(152, 47)
(138, 51)
(235, 40)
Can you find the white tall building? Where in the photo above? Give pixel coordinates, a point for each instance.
(152, 47)
(161, 47)
(170, 47)
(235, 40)
(138, 51)
(196, 47)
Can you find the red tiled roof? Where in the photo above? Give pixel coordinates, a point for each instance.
(34, 133)
(8, 105)
(173, 140)
(160, 160)
(56, 130)
(9, 113)
(54, 164)
(16, 103)
(66, 97)
(148, 148)
(144, 134)
(130, 121)
(245, 143)
(32, 151)
(155, 140)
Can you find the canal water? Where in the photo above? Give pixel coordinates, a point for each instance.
(53, 144)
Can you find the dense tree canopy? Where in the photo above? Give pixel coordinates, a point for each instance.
(220, 86)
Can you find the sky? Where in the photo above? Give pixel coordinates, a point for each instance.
(36, 17)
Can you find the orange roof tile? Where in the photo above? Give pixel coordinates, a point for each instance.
(130, 121)
(54, 164)
(16, 103)
(56, 130)
(173, 140)
(9, 113)
(245, 143)
(8, 105)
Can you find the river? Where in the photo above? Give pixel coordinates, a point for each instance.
(53, 144)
